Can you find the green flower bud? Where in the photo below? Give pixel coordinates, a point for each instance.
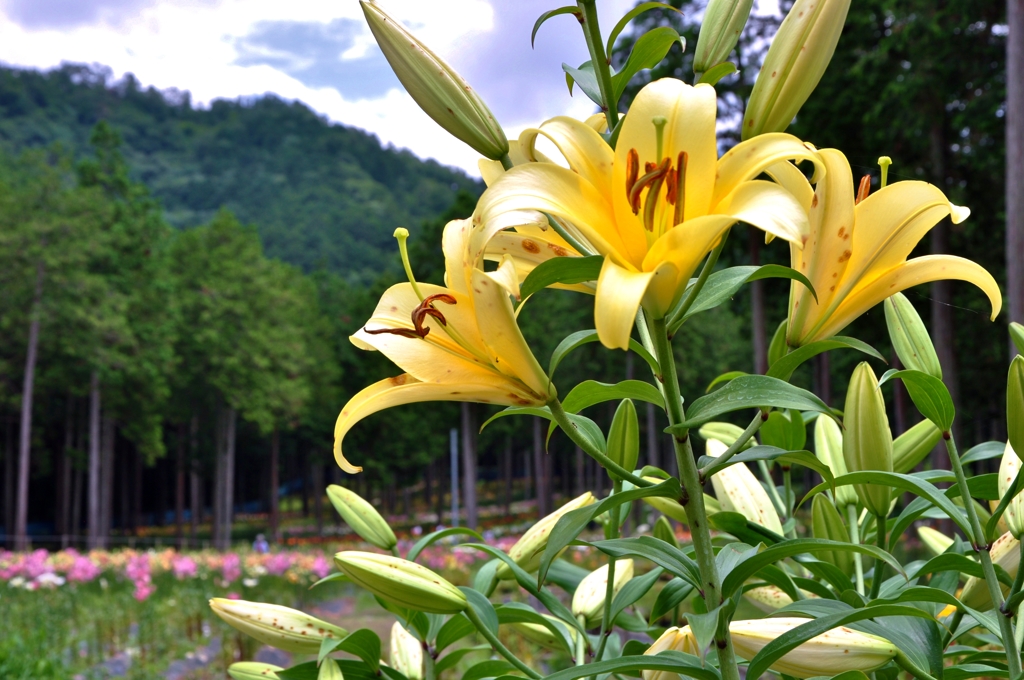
(1015, 405)
(253, 670)
(362, 517)
(867, 444)
(936, 541)
(673, 510)
(405, 654)
(530, 547)
(739, 491)
(624, 436)
(838, 650)
(719, 32)
(796, 60)
(826, 523)
(914, 445)
(909, 336)
(541, 634)
(828, 447)
(436, 87)
(588, 600)
(663, 532)
(277, 626)
(401, 582)
(1017, 335)
(1009, 466)
(329, 670)
(1006, 553)
(724, 432)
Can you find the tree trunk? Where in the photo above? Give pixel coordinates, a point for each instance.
(469, 463)
(126, 500)
(275, 485)
(94, 514)
(9, 475)
(25, 434)
(757, 321)
(107, 434)
(76, 504)
(229, 478)
(1015, 162)
(63, 516)
(540, 469)
(195, 488)
(137, 492)
(218, 477)
(179, 487)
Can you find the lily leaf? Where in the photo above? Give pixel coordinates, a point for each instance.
(929, 395)
(647, 52)
(580, 338)
(749, 391)
(568, 9)
(724, 377)
(561, 270)
(784, 367)
(633, 14)
(591, 392)
(770, 453)
(668, 661)
(418, 547)
(673, 560)
(983, 451)
(722, 285)
(717, 72)
(452, 631)
(585, 77)
(671, 596)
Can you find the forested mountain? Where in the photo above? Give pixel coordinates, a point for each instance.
(321, 195)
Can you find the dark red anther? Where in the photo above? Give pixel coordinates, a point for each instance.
(864, 189)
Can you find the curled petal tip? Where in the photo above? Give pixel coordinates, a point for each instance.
(958, 213)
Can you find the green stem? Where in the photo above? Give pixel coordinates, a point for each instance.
(428, 663)
(569, 238)
(1018, 581)
(677, 316)
(581, 642)
(735, 448)
(506, 162)
(876, 580)
(858, 563)
(909, 666)
(787, 482)
(569, 427)
(498, 646)
(611, 532)
(602, 68)
(947, 635)
(981, 544)
(773, 491)
(692, 498)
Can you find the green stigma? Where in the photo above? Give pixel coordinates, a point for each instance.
(402, 235)
(659, 128)
(884, 162)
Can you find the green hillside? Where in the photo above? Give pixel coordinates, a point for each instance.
(321, 195)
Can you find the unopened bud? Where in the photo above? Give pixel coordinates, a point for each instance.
(277, 626)
(529, 549)
(833, 652)
(401, 582)
(739, 491)
(914, 445)
(1015, 405)
(719, 32)
(673, 510)
(362, 517)
(828, 447)
(329, 670)
(826, 523)
(910, 337)
(1006, 553)
(253, 670)
(936, 541)
(1009, 467)
(676, 640)
(588, 600)
(541, 634)
(867, 444)
(724, 432)
(768, 598)
(624, 436)
(663, 532)
(406, 653)
(796, 60)
(436, 87)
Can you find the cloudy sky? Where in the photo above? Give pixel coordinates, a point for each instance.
(317, 51)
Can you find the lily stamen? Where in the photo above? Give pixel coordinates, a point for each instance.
(655, 174)
(632, 170)
(864, 189)
(677, 188)
(419, 315)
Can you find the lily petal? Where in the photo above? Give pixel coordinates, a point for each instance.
(583, 148)
(748, 159)
(687, 244)
(527, 252)
(768, 207)
(619, 292)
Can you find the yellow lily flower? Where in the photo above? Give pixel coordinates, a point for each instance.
(456, 343)
(655, 205)
(857, 252)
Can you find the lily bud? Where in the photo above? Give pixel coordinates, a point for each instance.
(329, 670)
(768, 598)
(719, 32)
(739, 491)
(1009, 466)
(673, 510)
(588, 600)
(436, 87)
(910, 337)
(277, 626)
(401, 582)
(796, 60)
(1006, 553)
(530, 547)
(663, 532)
(838, 650)
(936, 541)
(676, 640)
(406, 653)
(1017, 335)
(541, 634)
(624, 436)
(724, 432)
(1015, 405)
(253, 670)
(826, 523)
(362, 517)
(828, 446)
(867, 444)
(914, 445)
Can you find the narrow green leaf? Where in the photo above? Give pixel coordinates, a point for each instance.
(669, 662)
(584, 77)
(669, 597)
(724, 377)
(365, 644)
(983, 451)
(483, 607)
(452, 631)
(435, 536)
(539, 411)
(929, 395)
(336, 577)
(634, 589)
(591, 392)
(647, 52)
(451, 659)
(562, 270)
(488, 669)
(629, 16)
(568, 9)
(722, 285)
(717, 72)
(784, 367)
(519, 612)
(769, 453)
(673, 560)
(749, 391)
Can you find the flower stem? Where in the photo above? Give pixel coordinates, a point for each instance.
(569, 427)
(876, 580)
(602, 67)
(428, 662)
(498, 646)
(909, 666)
(581, 642)
(677, 316)
(981, 544)
(611, 531)
(858, 563)
(773, 491)
(693, 498)
(719, 463)
(947, 635)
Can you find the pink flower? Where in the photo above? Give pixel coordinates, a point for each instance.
(231, 568)
(143, 590)
(278, 564)
(82, 570)
(321, 567)
(233, 596)
(183, 567)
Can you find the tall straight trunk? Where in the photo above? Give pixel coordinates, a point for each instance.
(469, 463)
(179, 487)
(63, 479)
(195, 489)
(93, 516)
(757, 320)
(138, 466)
(275, 485)
(229, 478)
(218, 477)
(127, 473)
(76, 503)
(25, 434)
(1015, 162)
(318, 497)
(506, 472)
(305, 485)
(540, 470)
(108, 432)
(9, 475)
